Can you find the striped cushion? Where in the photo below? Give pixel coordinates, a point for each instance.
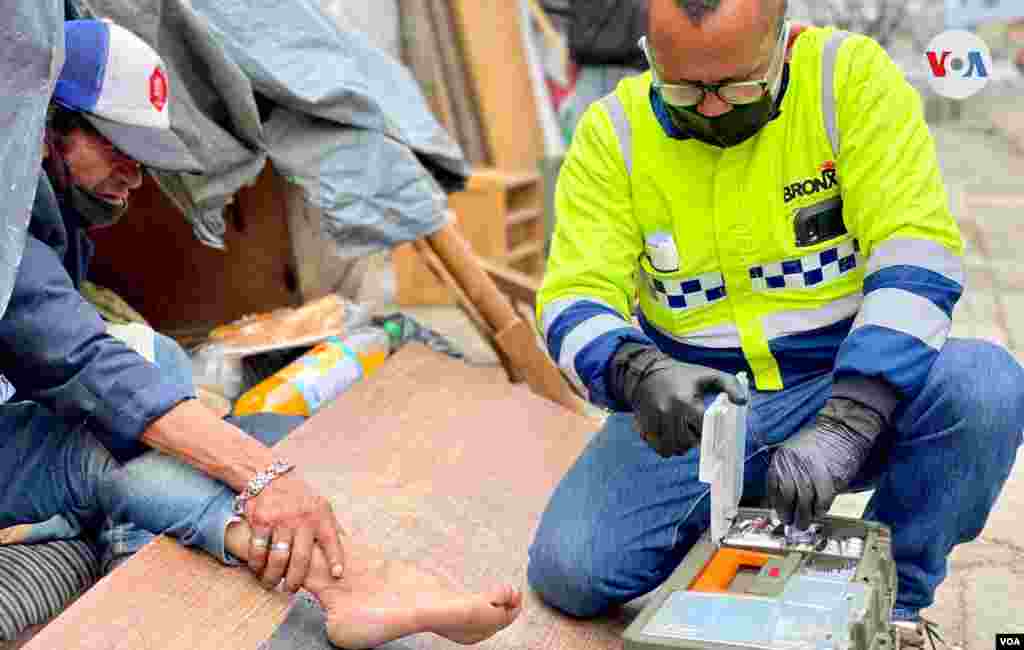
(37, 581)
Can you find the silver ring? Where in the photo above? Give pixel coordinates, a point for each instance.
(281, 546)
(260, 542)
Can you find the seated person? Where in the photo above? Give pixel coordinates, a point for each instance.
(78, 440)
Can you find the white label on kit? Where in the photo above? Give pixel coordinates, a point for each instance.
(661, 251)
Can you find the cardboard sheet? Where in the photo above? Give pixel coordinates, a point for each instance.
(432, 461)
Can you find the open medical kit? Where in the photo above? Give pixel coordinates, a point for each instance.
(751, 582)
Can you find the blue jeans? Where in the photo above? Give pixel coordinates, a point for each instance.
(622, 518)
(65, 483)
(55, 476)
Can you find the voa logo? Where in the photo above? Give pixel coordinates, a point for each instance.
(958, 64)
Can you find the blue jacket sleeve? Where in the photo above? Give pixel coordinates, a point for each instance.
(895, 202)
(55, 350)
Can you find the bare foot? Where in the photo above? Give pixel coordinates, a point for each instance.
(394, 599)
(14, 534)
(379, 600)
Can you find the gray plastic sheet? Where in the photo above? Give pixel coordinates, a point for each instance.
(346, 121)
(31, 56)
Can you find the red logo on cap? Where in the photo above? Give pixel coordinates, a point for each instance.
(158, 89)
(828, 166)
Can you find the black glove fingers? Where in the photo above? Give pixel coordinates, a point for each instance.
(690, 430)
(807, 498)
(782, 490)
(720, 382)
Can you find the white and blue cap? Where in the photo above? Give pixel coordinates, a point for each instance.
(119, 84)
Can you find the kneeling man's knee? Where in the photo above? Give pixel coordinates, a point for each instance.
(561, 571)
(985, 386)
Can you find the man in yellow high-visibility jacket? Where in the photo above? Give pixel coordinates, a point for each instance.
(764, 201)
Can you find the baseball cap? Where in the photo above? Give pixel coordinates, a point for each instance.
(119, 84)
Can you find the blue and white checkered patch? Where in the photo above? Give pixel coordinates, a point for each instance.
(687, 293)
(808, 271)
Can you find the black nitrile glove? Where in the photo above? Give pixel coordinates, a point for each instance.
(811, 468)
(667, 396)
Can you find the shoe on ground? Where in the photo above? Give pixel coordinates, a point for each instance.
(921, 633)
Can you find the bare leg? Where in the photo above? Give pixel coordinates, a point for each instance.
(379, 600)
(14, 534)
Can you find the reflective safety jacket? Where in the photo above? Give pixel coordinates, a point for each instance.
(822, 244)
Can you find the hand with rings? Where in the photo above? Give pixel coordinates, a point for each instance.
(287, 520)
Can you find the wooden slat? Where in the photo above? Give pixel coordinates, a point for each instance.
(525, 215)
(519, 287)
(524, 251)
(431, 461)
(508, 178)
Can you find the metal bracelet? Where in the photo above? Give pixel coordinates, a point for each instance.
(259, 483)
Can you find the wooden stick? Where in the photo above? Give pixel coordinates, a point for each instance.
(478, 321)
(514, 337)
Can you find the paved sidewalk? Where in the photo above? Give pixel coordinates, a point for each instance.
(984, 592)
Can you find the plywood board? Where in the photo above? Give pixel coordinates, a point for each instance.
(420, 54)
(431, 461)
(168, 597)
(464, 107)
(153, 261)
(491, 37)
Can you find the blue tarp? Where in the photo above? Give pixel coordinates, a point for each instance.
(280, 80)
(31, 56)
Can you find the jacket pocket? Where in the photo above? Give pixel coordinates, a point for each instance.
(819, 223)
(667, 297)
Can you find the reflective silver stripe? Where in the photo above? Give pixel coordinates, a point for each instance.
(828, 90)
(917, 252)
(718, 337)
(617, 114)
(798, 321)
(905, 312)
(552, 311)
(581, 336)
(556, 308)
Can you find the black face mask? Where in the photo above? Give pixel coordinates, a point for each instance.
(95, 211)
(726, 130)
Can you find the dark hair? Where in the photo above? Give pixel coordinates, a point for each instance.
(696, 10)
(61, 121)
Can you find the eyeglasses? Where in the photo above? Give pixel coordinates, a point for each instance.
(739, 93)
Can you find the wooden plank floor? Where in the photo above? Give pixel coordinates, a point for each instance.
(431, 460)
